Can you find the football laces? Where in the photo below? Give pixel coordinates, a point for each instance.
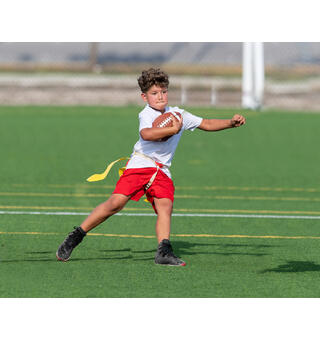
(176, 116)
(165, 122)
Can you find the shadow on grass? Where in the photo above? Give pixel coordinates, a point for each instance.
(120, 250)
(181, 249)
(145, 251)
(254, 246)
(38, 252)
(100, 258)
(295, 266)
(143, 259)
(135, 253)
(184, 248)
(53, 259)
(130, 250)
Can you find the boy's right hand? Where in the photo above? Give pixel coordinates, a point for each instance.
(176, 124)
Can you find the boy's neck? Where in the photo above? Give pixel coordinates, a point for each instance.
(162, 111)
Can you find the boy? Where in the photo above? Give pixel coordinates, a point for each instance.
(147, 171)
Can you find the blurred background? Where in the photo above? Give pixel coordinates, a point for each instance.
(201, 74)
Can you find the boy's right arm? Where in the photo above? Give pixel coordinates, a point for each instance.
(155, 134)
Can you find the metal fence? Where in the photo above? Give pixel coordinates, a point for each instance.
(204, 74)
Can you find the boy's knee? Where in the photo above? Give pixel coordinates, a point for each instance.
(115, 204)
(164, 206)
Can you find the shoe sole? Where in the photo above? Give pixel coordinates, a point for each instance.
(61, 259)
(183, 264)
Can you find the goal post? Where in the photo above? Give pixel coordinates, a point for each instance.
(252, 75)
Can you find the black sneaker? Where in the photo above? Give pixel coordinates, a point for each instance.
(73, 239)
(165, 255)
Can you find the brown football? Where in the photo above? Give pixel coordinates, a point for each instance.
(166, 120)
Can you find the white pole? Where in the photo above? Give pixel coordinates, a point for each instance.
(252, 75)
(247, 76)
(183, 94)
(213, 95)
(258, 73)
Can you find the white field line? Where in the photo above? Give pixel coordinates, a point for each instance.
(202, 215)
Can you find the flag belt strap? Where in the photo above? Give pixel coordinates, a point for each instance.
(158, 165)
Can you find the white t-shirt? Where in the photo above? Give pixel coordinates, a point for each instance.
(160, 151)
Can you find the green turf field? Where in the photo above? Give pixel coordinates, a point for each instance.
(247, 207)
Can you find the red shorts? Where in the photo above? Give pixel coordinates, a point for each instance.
(133, 181)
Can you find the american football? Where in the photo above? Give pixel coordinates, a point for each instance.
(166, 119)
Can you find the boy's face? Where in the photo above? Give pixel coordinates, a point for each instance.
(156, 97)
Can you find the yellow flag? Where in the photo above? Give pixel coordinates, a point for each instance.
(121, 170)
(101, 176)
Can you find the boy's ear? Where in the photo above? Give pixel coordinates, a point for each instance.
(143, 96)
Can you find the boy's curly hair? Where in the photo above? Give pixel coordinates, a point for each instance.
(152, 77)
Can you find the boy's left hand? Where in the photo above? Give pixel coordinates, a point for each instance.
(237, 120)
(177, 124)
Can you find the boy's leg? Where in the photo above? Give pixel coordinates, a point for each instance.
(105, 210)
(164, 210)
(102, 212)
(165, 255)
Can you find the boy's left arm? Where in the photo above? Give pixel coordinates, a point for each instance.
(220, 124)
